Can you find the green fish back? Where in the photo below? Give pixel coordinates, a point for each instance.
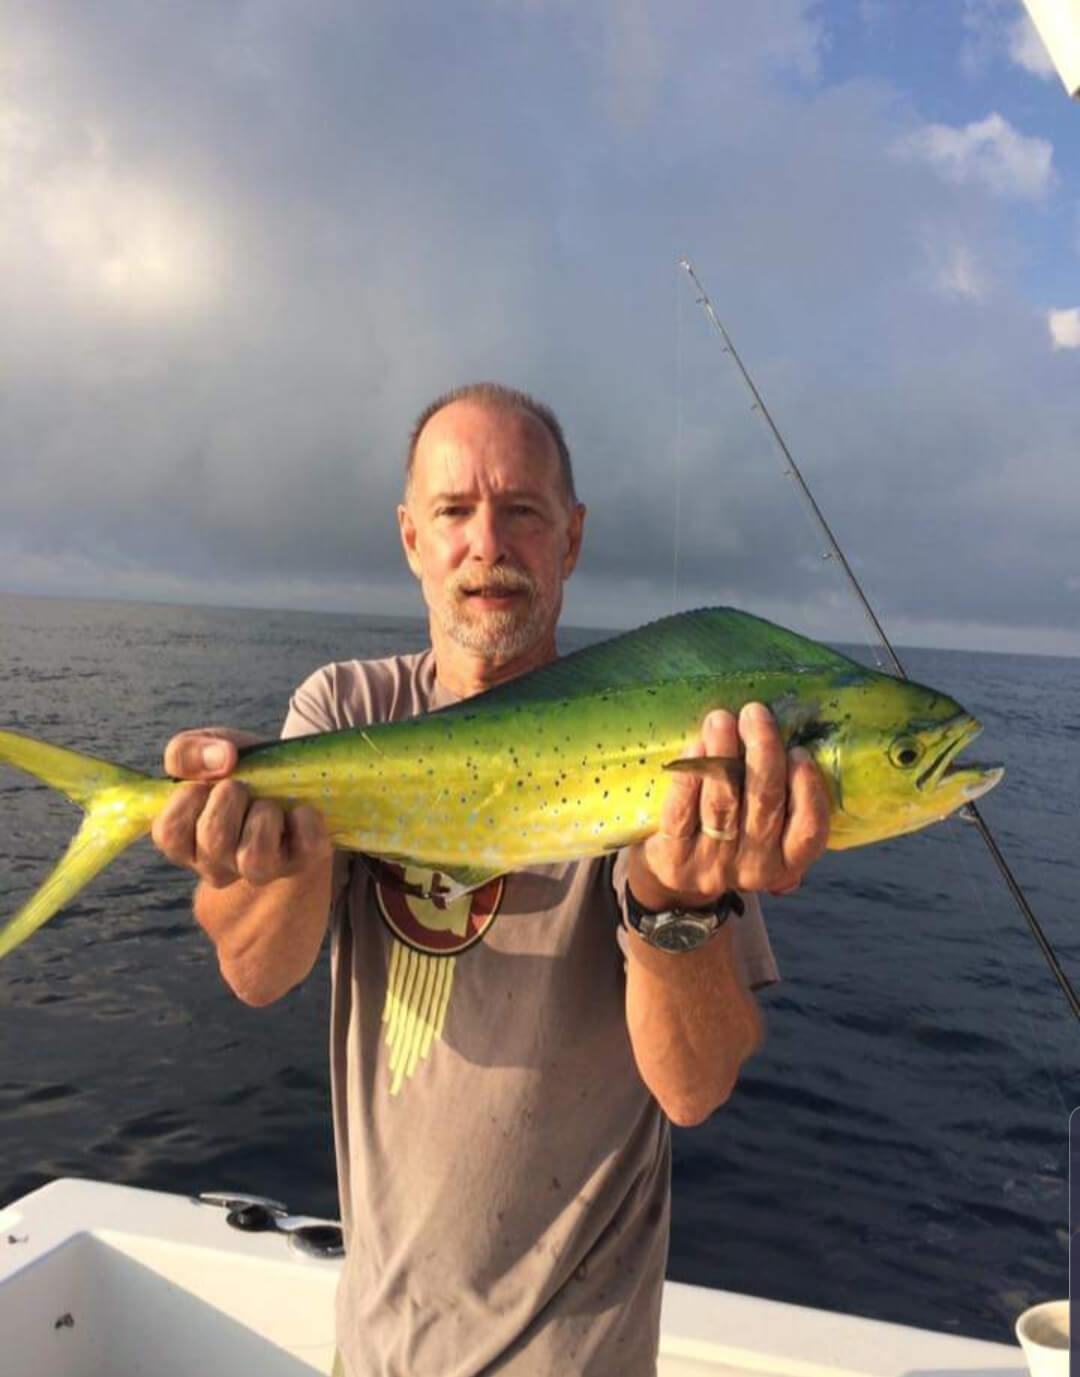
(707, 642)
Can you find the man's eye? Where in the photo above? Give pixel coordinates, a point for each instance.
(522, 509)
(450, 511)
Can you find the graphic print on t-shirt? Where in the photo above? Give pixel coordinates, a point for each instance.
(429, 932)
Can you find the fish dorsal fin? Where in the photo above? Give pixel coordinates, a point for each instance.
(688, 645)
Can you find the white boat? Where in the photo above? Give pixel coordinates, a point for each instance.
(99, 1280)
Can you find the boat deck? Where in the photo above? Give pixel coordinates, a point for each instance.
(99, 1280)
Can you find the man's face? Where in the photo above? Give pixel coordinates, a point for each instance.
(489, 531)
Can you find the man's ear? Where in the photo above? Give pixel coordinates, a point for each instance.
(407, 529)
(575, 532)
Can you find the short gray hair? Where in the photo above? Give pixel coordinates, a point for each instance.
(497, 395)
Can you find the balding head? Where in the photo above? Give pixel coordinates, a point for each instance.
(500, 398)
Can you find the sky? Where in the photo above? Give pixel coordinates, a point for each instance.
(244, 242)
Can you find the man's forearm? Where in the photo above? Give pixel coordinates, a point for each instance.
(692, 1023)
(267, 937)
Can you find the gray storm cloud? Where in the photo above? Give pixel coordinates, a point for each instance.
(241, 246)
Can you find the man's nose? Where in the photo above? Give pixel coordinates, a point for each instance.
(487, 536)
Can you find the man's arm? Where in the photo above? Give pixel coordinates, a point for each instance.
(265, 873)
(692, 1022)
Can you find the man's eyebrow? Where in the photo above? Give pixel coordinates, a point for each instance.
(507, 495)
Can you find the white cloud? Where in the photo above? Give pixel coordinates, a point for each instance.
(996, 30)
(1027, 49)
(1064, 328)
(985, 26)
(134, 245)
(956, 272)
(130, 240)
(988, 152)
(643, 50)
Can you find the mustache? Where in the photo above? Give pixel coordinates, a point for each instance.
(498, 579)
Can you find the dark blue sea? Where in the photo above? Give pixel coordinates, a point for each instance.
(898, 1149)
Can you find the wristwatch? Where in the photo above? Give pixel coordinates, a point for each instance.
(680, 929)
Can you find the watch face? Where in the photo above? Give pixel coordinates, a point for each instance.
(681, 931)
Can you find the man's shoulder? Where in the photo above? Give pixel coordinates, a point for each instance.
(354, 693)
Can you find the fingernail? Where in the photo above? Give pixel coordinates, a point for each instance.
(215, 757)
(799, 755)
(757, 714)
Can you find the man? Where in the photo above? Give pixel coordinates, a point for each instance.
(502, 1077)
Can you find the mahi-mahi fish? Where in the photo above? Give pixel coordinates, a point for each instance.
(566, 762)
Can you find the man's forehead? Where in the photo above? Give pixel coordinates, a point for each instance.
(473, 418)
(468, 442)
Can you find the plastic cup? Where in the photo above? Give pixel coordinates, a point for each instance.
(1043, 1331)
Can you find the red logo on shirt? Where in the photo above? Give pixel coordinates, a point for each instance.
(416, 907)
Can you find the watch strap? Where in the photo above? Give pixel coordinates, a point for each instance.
(680, 929)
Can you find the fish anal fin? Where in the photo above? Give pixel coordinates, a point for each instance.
(467, 878)
(424, 880)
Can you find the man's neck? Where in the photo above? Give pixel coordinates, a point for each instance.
(465, 674)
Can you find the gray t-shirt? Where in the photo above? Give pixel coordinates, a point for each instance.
(504, 1173)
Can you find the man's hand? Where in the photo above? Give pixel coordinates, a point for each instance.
(715, 835)
(216, 829)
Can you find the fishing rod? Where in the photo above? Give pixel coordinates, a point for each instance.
(969, 812)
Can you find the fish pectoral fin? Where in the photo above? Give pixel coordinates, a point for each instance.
(715, 766)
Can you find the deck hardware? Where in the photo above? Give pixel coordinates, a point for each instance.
(255, 1214)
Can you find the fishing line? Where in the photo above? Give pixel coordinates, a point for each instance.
(969, 812)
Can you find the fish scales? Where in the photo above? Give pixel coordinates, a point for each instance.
(517, 785)
(568, 761)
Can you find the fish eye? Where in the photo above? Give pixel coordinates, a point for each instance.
(905, 752)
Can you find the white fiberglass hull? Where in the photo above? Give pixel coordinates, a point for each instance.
(109, 1281)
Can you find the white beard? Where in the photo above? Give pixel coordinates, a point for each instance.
(496, 635)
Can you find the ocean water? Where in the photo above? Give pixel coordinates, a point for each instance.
(899, 1148)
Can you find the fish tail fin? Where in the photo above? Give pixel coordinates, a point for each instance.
(120, 806)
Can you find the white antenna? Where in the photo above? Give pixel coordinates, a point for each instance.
(1057, 23)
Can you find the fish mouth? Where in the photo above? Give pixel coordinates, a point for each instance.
(971, 779)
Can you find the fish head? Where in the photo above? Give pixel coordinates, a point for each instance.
(890, 763)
